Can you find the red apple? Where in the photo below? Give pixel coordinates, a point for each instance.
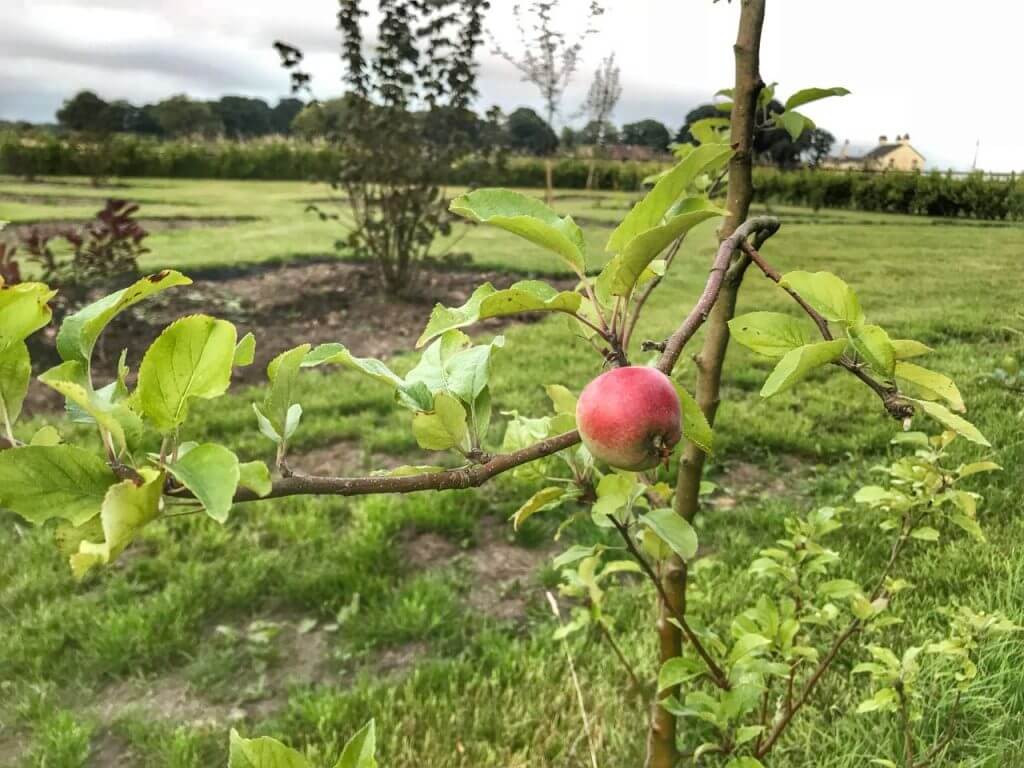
(630, 417)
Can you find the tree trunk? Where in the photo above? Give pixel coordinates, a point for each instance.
(662, 751)
(549, 180)
(590, 173)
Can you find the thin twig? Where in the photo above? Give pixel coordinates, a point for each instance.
(833, 651)
(897, 407)
(765, 225)
(718, 676)
(607, 635)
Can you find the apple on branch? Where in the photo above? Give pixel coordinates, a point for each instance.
(630, 417)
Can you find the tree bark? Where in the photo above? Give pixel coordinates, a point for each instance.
(549, 181)
(661, 744)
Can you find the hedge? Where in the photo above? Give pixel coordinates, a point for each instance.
(932, 194)
(929, 194)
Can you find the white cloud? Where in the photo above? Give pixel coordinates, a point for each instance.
(942, 72)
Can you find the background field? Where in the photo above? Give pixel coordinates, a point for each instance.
(303, 618)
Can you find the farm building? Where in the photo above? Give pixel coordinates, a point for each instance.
(897, 155)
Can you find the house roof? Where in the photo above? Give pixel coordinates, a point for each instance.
(884, 149)
(881, 151)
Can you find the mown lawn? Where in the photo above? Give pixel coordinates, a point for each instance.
(420, 620)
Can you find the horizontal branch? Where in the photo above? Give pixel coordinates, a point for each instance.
(766, 225)
(449, 479)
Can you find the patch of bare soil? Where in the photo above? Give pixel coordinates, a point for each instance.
(13, 745)
(301, 656)
(284, 305)
(169, 697)
(397, 660)
(346, 457)
(743, 480)
(503, 573)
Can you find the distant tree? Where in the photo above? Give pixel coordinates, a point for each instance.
(527, 132)
(598, 134)
(548, 59)
(646, 133)
(85, 111)
(605, 92)
(820, 144)
(569, 139)
(282, 115)
(319, 119)
(683, 136)
(393, 156)
(243, 117)
(181, 116)
(772, 144)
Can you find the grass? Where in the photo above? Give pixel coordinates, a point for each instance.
(480, 691)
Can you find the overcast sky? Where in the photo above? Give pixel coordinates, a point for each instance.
(944, 72)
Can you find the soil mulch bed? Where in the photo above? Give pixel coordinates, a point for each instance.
(284, 305)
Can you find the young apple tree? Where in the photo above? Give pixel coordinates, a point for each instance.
(548, 59)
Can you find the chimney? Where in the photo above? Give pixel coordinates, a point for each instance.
(883, 139)
(905, 139)
(845, 151)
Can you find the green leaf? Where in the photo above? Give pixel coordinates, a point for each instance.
(255, 476)
(966, 470)
(442, 428)
(279, 417)
(539, 501)
(72, 381)
(126, 509)
(794, 123)
(905, 348)
(212, 473)
(23, 311)
(263, 752)
(46, 436)
(486, 302)
(574, 554)
(651, 212)
(931, 385)
(674, 530)
(15, 373)
(562, 399)
(872, 343)
(826, 293)
(696, 428)
(807, 95)
(772, 334)
(884, 699)
(245, 351)
(925, 533)
(408, 470)
(968, 524)
(467, 372)
(838, 589)
(639, 251)
(527, 217)
(79, 331)
(747, 732)
(678, 670)
(191, 359)
(796, 364)
(41, 482)
(950, 420)
(360, 750)
(337, 354)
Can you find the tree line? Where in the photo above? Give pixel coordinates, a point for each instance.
(521, 131)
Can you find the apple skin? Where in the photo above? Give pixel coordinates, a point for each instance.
(630, 417)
